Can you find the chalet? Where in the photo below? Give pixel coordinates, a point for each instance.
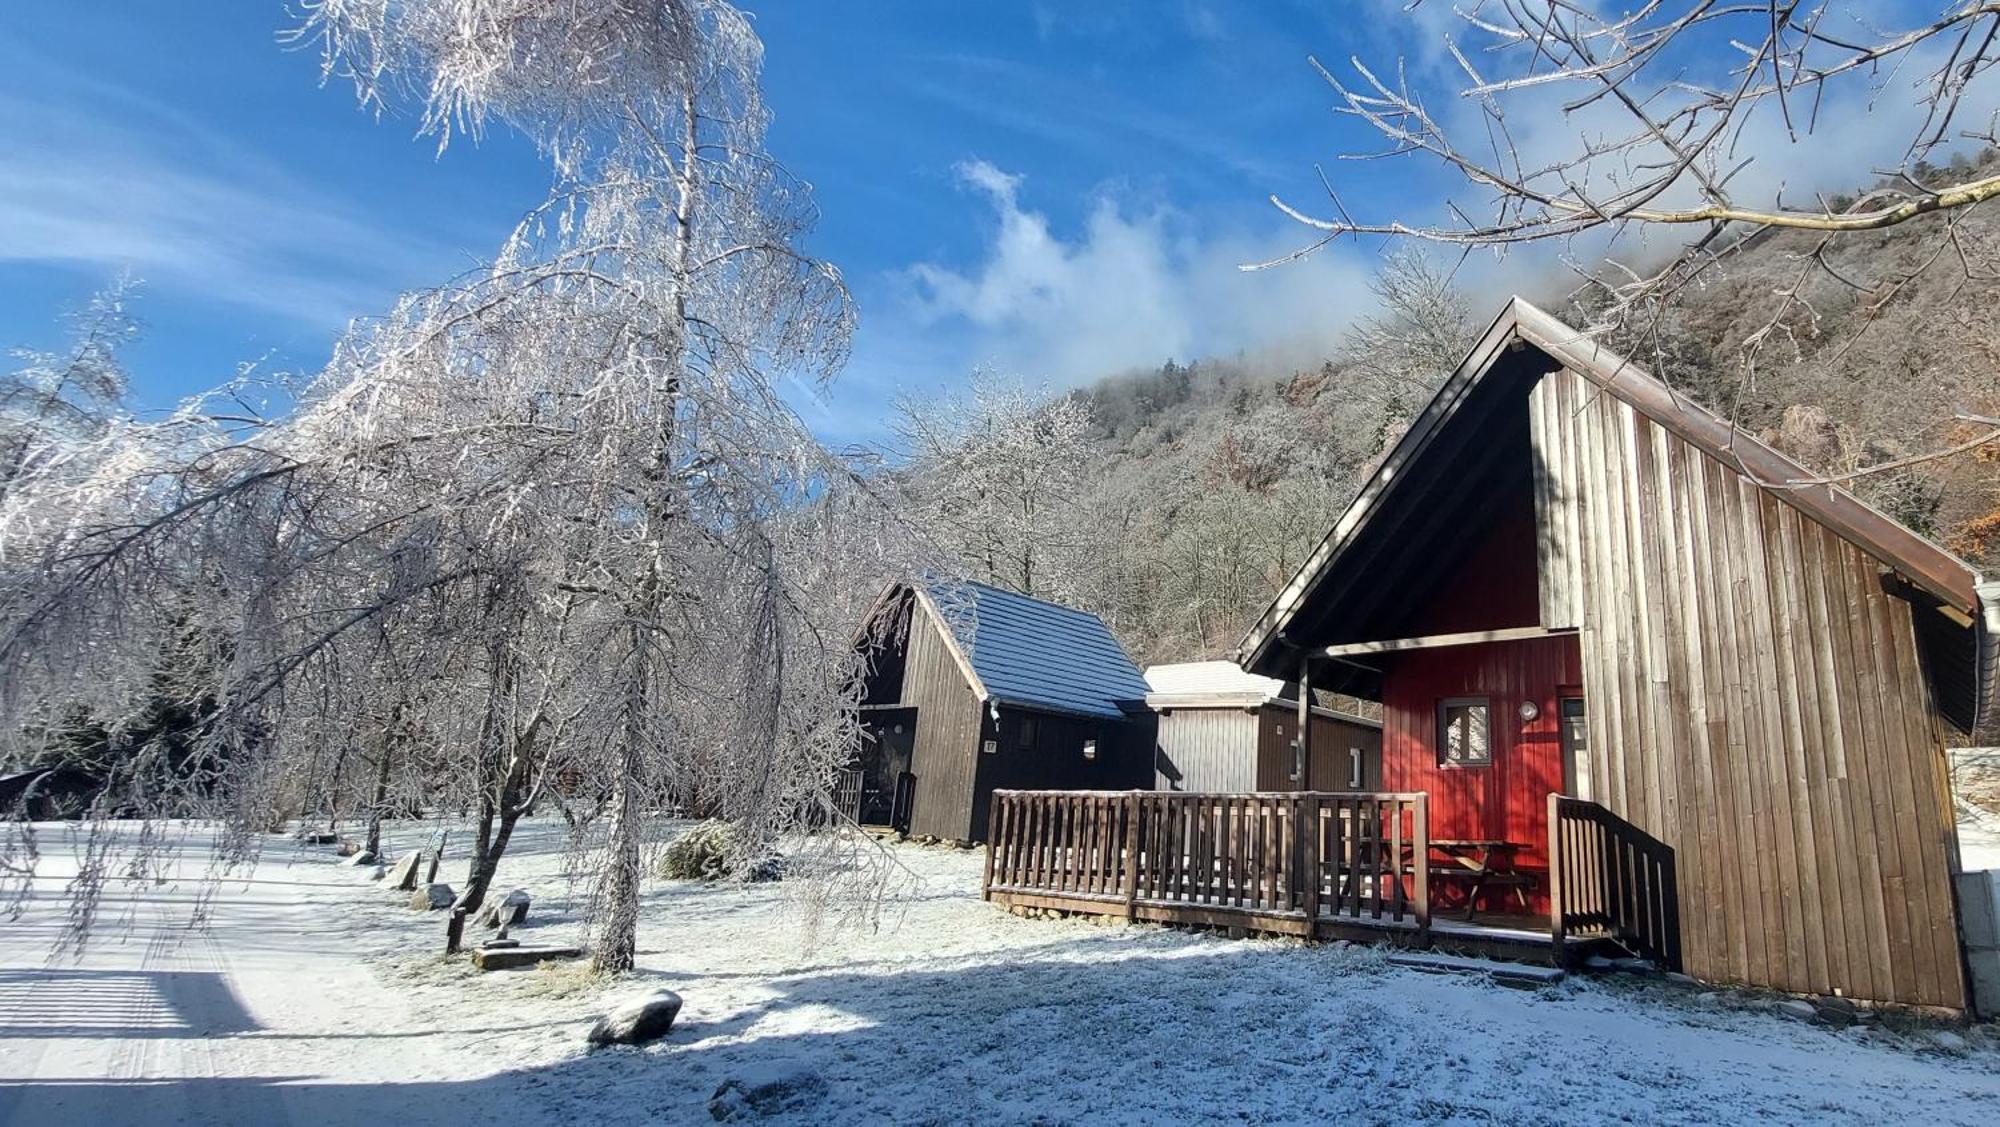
(970, 688)
(1221, 729)
(1645, 681)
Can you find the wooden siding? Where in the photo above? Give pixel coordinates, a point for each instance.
(1055, 758)
(950, 721)
(1754, 701)
(1330, 768)
(1207, 750)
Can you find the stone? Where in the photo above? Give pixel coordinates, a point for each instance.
(1948, 1041)
(319, 839)
(1708, 1000)
(360, 857)
(766, 1090)
(431, 898)
(507, 911)
(403, 874)
(507, 958)
(1796, 1007)
(1836, 1011)
(637, 1020)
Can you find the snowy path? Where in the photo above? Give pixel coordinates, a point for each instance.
(313, 998)
(261, 1017)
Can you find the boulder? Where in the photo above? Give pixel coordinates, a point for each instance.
(360, 857)
(1836, 1011)
(637, 1020)
(509, 910)
(1796, 1007)
(766, 1090)
(431, 898)
(403, 874)
(507, 958)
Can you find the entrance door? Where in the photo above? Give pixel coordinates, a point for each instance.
(1576, 748)
(887, 739)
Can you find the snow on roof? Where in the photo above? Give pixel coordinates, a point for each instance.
(1206, 678)
(1029, 652)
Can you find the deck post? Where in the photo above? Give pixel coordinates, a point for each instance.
(1302, 737)
(1130, 873)
(1420, 846)
(1558, 928)
(1307, 832)
(995, 835)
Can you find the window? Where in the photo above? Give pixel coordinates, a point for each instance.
(1463, 732)
(1028, 733)
(1090, 749)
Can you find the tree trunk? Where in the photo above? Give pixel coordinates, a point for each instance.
(618, 921)
(382, 769)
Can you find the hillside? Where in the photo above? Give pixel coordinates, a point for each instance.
(1209, 481)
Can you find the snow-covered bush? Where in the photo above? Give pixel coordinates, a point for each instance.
(718, 850)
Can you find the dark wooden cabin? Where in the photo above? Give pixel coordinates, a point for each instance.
(1664, 687)
(971, 688)
(1221, 729)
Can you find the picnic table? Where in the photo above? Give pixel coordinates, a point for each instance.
(1481, 863)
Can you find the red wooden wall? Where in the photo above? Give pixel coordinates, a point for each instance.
(1508, 799)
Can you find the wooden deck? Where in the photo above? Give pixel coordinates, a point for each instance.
(1315, 865)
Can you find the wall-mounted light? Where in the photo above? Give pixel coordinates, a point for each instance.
(1529, 710)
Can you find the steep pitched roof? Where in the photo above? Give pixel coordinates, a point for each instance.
(1521, 325)
(1033, 653)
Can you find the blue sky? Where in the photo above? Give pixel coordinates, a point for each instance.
(1060, 191)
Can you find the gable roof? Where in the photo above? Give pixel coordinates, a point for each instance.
(1521, 325)
(1035, 654)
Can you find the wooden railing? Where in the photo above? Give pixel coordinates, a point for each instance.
(1276, 861)
(1608, 877)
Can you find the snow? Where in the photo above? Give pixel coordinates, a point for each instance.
(312, 996)
(1978, 838)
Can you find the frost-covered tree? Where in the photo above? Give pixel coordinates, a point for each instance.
(550, 525)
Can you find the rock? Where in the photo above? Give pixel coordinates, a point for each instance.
(318, 839)
(1948, 1041)
(431, 898)
(637, 1020)
(766, 1090)
(403, 874)
(507, 958)
(507, 911)
(360, 857)
(1677, 977)
(1835, 1011)
(1708, 1000)
(1796, 1007)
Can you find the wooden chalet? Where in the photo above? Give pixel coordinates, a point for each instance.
(1221, 729)
(971, 688)
(1645, 681)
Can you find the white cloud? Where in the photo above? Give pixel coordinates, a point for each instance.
(1138, 283)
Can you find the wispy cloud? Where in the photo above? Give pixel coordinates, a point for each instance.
(95, 176)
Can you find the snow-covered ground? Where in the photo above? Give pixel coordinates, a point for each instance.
(311, 996)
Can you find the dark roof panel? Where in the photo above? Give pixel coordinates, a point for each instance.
(1029, 652)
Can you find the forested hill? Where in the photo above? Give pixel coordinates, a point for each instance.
(1195, 489)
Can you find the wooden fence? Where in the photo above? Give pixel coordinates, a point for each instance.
(1275, 862)
(1609, 877)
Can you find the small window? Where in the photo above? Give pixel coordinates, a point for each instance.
(1028, 733)
(1463, 732)
(1090, 749)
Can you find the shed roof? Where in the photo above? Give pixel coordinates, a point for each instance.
(1025, 651)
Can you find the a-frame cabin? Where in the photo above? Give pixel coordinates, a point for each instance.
(970, 688)
(1567, 579)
